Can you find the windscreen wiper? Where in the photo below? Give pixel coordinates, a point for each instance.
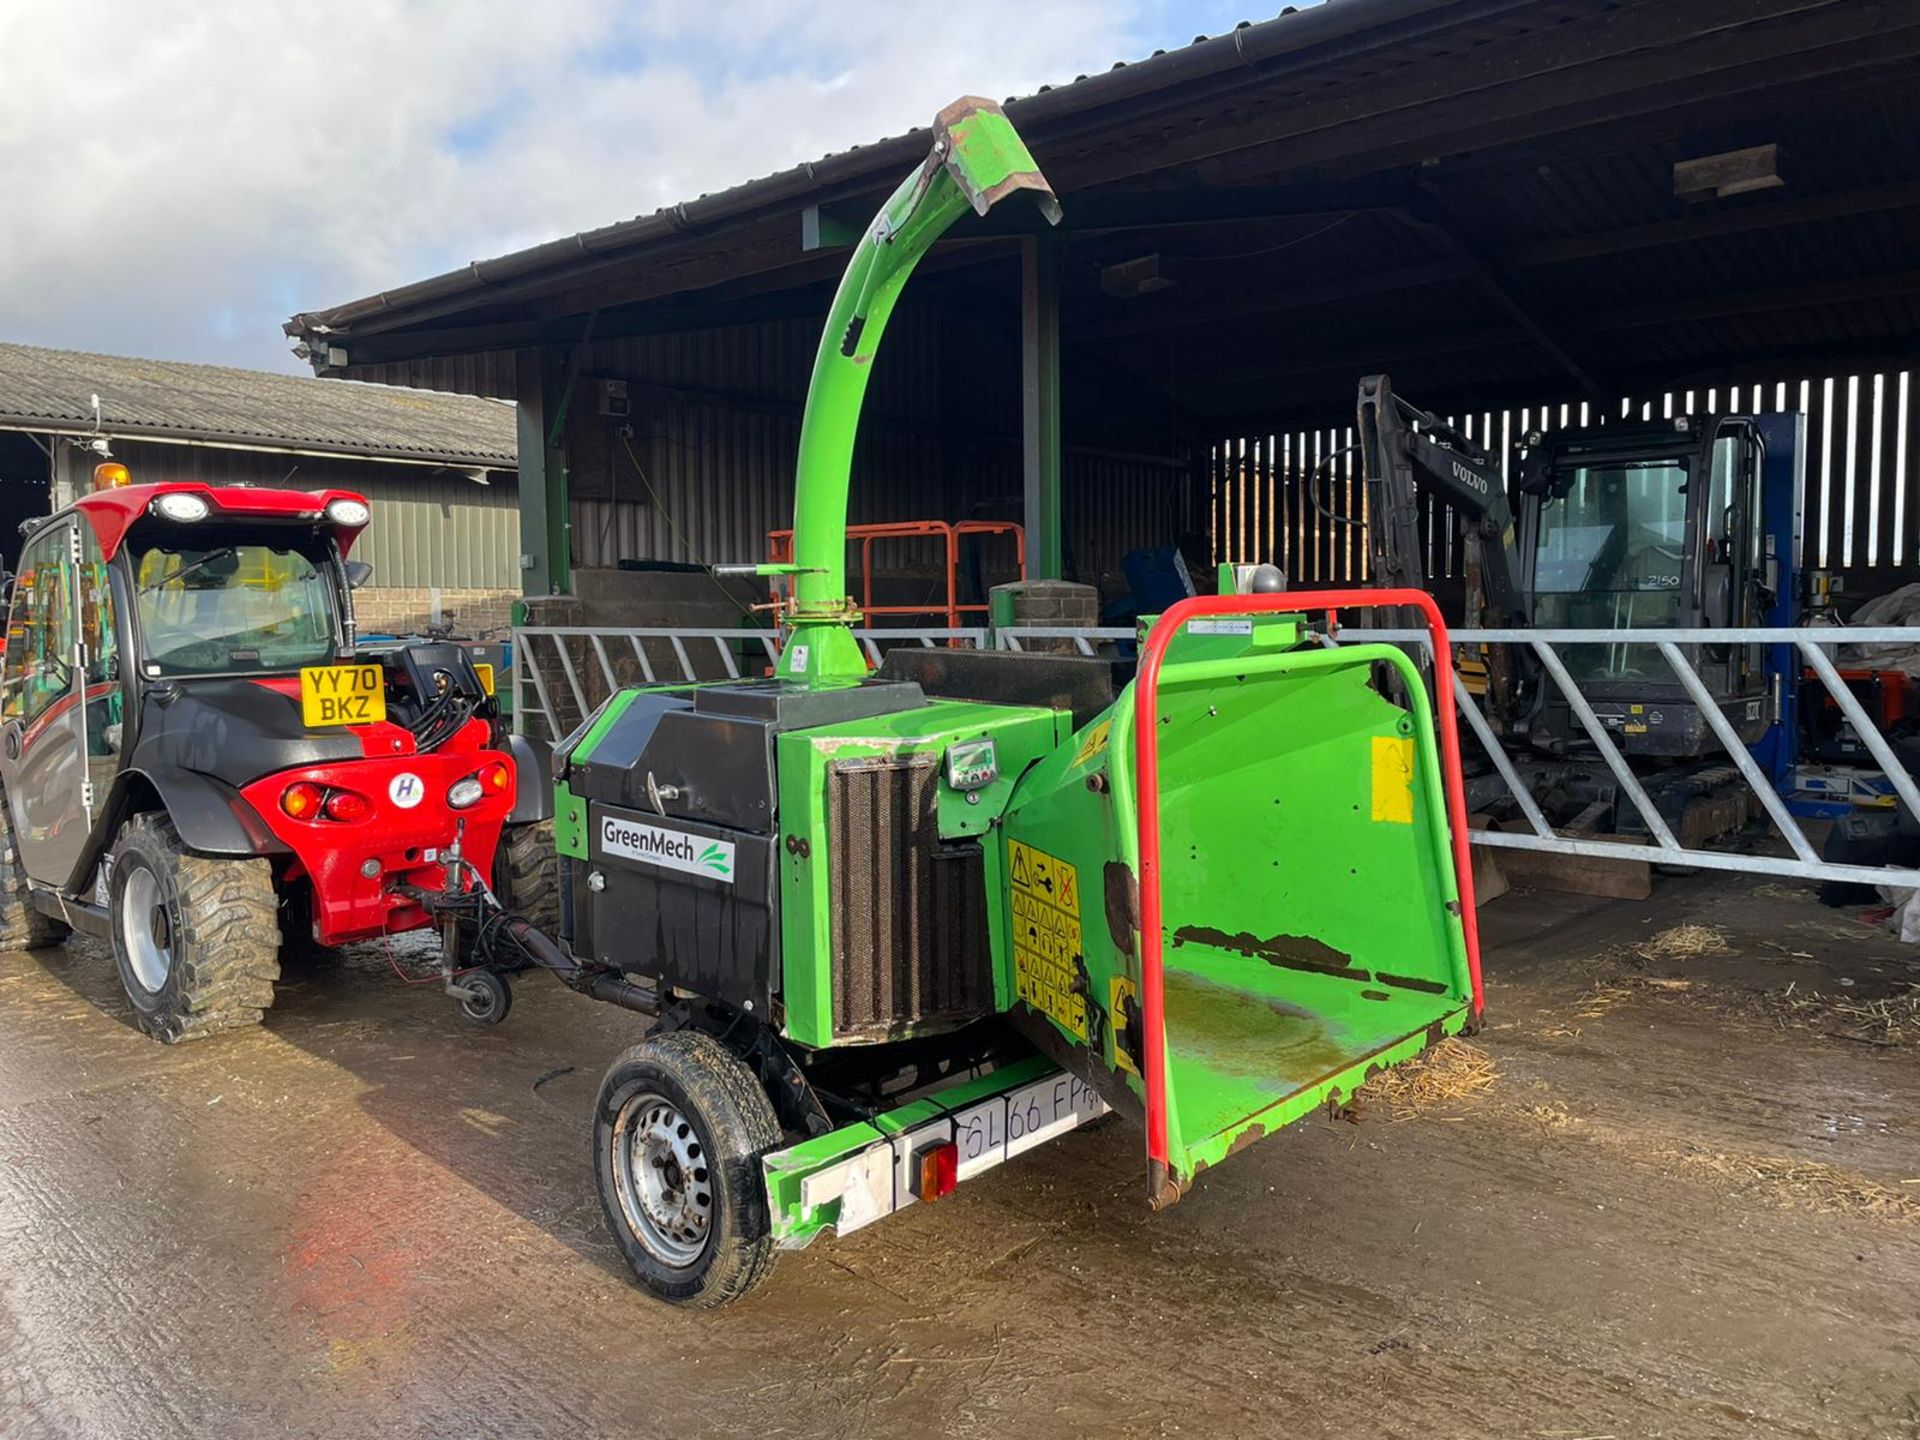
(185, 570)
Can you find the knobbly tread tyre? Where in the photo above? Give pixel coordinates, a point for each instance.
(227, 935)
(526, 875)
(733, 1115)
(22, 925)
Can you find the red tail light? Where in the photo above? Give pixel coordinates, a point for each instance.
(345, 805)
(302, 799)
(936, 1170)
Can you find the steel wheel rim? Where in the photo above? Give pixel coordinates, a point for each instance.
(481, 1008)
(660, 1172)
(146, 929)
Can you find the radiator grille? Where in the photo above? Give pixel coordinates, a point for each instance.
(909, 912)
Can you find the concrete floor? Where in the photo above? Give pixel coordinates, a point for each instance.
(1684, 1209)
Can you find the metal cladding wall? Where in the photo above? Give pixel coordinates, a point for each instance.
(702, 466)
(1859, 514)
(430, 526)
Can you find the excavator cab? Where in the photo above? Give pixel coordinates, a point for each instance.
(1651, 526)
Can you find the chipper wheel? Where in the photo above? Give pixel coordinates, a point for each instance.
(196, 939)
(22, 927)
(526, 874)
(678, 1133)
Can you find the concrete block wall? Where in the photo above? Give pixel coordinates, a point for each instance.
(1052, 602)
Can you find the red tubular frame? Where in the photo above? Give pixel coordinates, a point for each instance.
(780, 551)
(1146, 746)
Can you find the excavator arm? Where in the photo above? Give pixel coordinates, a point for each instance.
(1404, 450)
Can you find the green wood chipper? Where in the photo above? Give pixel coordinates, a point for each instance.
(900, 925)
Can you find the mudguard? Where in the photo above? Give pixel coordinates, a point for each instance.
(533, 780)
(210, 815)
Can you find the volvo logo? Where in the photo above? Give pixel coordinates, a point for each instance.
(1469, 478)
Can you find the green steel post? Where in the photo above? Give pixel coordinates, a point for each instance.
(977, 160)
(547, 566)
(1040, 257)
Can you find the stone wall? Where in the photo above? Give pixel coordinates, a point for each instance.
(407, 610)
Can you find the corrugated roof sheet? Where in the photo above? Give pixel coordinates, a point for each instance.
(175, 399)
(1248, 51)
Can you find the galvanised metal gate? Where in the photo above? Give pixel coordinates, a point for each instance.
(1813, 647)
(561, 673)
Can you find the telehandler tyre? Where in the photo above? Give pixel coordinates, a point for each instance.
(197, 940)
(678, 1133)
(22, 927)
(526, 873)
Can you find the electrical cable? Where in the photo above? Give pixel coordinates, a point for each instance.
(1313, 486)
(681, 536)
(1270, 249)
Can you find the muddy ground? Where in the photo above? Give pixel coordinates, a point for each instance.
(1688, 1205)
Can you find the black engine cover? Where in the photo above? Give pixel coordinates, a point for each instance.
(683, 818)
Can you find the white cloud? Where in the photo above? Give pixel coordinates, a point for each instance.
(182, 178)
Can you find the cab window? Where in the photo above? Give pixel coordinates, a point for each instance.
(213, 604)
(38, 667)
(100, 637)
(97, 630)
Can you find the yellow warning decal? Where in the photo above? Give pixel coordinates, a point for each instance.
(1046, 935)
(1095, 742)
(1120, 989)
(1393, 779)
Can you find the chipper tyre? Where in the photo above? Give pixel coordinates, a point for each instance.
(526, 874)
(679, 1130)
(196, 939)
(22, 927)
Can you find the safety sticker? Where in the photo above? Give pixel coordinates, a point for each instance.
(1095, 742)
(1046, 936)
(1120, 990)
(1393, 779)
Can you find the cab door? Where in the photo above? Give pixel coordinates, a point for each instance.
(43, 714)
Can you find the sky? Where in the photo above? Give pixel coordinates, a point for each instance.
(184, 175)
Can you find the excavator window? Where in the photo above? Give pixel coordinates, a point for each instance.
(1611, 553)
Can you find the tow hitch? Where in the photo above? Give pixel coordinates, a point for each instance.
(482, 943)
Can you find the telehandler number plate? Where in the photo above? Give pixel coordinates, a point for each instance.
(342, 695)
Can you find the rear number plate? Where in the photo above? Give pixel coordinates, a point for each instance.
(342, 695)
(1000, 1128)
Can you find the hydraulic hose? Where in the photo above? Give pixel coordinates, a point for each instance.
(598, 981)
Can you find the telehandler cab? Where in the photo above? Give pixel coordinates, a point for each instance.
(198, 764)
(900, 927)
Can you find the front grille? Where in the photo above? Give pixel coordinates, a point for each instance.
(909, 912)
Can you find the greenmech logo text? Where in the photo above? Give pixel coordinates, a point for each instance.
(668, 849)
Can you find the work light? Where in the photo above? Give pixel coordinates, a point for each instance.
(181, 506)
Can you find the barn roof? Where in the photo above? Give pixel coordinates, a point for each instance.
(1474, 195)
(53, 391)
